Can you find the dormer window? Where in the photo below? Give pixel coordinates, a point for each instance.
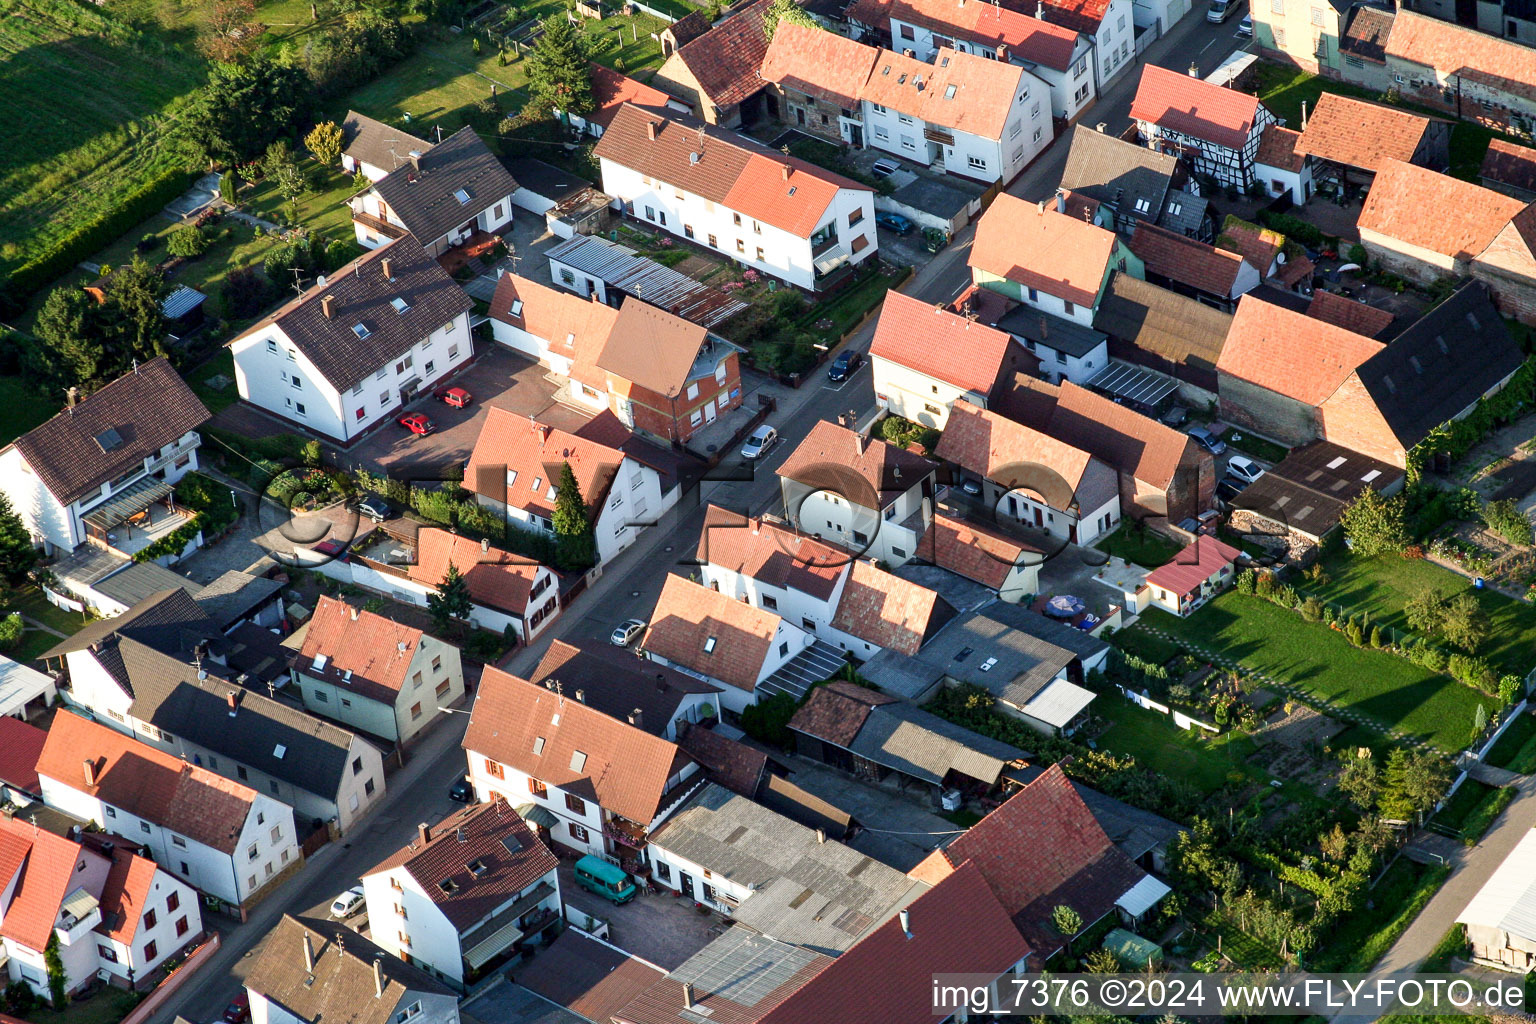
(478, 867)
(448, 886)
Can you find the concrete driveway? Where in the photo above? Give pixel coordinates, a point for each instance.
(665, 929)
(498, 377)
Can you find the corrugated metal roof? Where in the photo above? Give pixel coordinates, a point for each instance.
(1142, 896)
(1508, 899)
(1058, 703)
(619, 267)
(181, 302)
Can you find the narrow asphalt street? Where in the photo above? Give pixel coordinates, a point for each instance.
(418, 792)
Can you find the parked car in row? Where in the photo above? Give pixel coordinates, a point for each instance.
(845, 365)
(1207, 440)
(456, 397)
(1242, 468)
(762, 439)
(625, 632)
(894, 222)
(417, 424)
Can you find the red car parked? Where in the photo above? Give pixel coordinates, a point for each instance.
(456, 397)
(416, 423)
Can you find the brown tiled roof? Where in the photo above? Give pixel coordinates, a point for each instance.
(652, 348)
(511, 443)
(1121, 436)
(1277, 148)
(625, 769)
(770, 553)
(957, 926)
(818, 63)
(427, 200)
(888, 611)
(125, 895)
(1008, 453)
(364, 653)
(492, 834)
(146, 782)
(837, 711)
(111, 432)
(495, 578)
(1514, 248)
(1452, 49)
(1367, 34)
(730, 168)
(372, 141)
(1510, 163)
(1071, 862)
(1194, 107)
(1185, 571)
(611, 90)
(1290, 353)
(1357, 317)
(1035, 246)
(939, 344)
(689, 616)
(363, 295)
(1186, 260)
(1466, 217)
(1259, 246)
(1348, 131)
(1162, 322)
(341, 989)
(615, 682)
(858, 467)
(725, 59)
(21, 743)
(575, 327)
(974, 551)
(588, 977)
(688, 28)
(726, 762)
(962, 91)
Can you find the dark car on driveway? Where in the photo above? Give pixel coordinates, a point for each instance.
(845, 365)
(462, 792)
(239, 1011)
(894, 222)
(375, 509)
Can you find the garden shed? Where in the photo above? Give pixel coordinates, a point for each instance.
(1132, 949)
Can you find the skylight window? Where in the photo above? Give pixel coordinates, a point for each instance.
(949, 90)
(986, 666)
(109, 439)
(1336, 463)
(578, 760)
(709, 645)
(400, 304)
(1372, 475)
(461, 196)
(320, 660)
(449, 886)
(517, 307)
(536, 482)
(478, 867)
(1174, 208)
(279, 751)
(792, 189)
(361, 330)
(538, 745)
(965, 652)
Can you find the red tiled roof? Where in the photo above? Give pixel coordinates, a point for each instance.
(625, 769)
(888, 611)
(1259, 246)
(1514, 248)
(652, 348)
(48, 865)
(589, 977)
(1277, 148)
(1071, 861)
(996, 448)
(818, 63)
(887, 976)
(490, 834)
(363, 652)
(724, 60)
(125, 895)
(611, 90)
(963, 91)
(1033, 245)
(146, 782)
(1466, 217)
(20, 746)
(837, 711)
(509, 443)
(1194, 107)
(974, 551)
(1194, 565)
(864, 470)
(1117, 434)
(575, 328)
(794, 202)
(1078, 15)
(1186, 260)
(1510, 163)
(1358, 317)
(1451, 49)
(1290, 353)
(689, 616)
(496, 578)
(1344, 130)
(770, 553)
(939, 344)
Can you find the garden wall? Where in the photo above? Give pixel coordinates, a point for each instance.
(1180, 719)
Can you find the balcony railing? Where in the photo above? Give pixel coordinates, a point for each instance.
(942, 136)
(817, 248)
(383, 227)
(626, 833)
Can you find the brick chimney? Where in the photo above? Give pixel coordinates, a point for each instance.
(637, 718)
(581, 695)
(328, 306)
(354, 613)
(90, 771)
(388, 265)
(309, 954)
(415, 156)
(650, 130)
(424, 833)
(378, 978)
(785, 170)
(687, 995)
(71, 397)
(232, 698)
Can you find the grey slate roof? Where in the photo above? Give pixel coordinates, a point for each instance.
(425, 200)
(1030, 650)
(1063, 335)
(1438, 367)
(363, 295)
(169, 621)
(615, 682)
(235, 595)
(908, 739)
(1111, 170)
(823, 895)
(553, 183)
(135, 582)
(306, 752)
(371, 141)
(1308, 489)
(112, 431)
(944, 199)
(1162, 322)
(1183, 213)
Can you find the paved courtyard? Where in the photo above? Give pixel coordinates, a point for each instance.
(665, 929)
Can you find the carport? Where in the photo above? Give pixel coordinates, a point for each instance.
(1134, 384)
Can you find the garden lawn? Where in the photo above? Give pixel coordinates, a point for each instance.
(1146, 646)
(1472, 808)
(1238, 946)
(1519, 737)
(848, 307)
(1391, 692)
(222, 363)
(1359, 939)
(32, 604)
(1147, 549)
(1381, 586)
(1161, 746)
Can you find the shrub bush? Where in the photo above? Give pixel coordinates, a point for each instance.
(10, 631)
(1505, 519)
(188, 242)
(1293, 227)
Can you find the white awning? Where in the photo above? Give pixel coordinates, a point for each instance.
(1142, 896)
(831, 259)
(497, 941)
(1058, 703)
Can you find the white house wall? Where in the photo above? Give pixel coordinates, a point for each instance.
(163, 933)
(514, 786)
(916, 396)
(1027, 132)
(422, 934)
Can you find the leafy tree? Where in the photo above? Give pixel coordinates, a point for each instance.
(1479, 720)
(1425, 611)
(360, 181)
(11, 627)
(187, 242)
(1465, 624)
(70, 330)
(451, 601)
(1102, 961)
(134, 305)
(1505, 518)
(324, 143)
(1360, 782)
(291, 183)
(1377, 640)
(1375, 525)
(559, 69)
(577, 547)
(229, 189)
(767, 721)
(785, 10)
(243, 108)
(1509, 690)
(17, 555)
(245, 293)
(230, 29)
(54, 965)
(1335, 844)
(1066, 920)
(1414, 780)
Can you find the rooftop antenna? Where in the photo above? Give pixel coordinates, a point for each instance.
(135, 364)
(298, 280)
(394, 159)
(439, 128)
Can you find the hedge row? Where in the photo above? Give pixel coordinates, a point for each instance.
(89, 236)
